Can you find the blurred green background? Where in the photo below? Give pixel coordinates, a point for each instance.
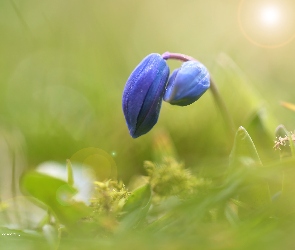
(64, 64)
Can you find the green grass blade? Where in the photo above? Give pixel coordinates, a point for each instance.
(255, 190)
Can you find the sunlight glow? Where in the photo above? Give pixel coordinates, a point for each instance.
(270, 15)
(267, 23)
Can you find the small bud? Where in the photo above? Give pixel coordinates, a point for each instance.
(187, 84)
(143, 94)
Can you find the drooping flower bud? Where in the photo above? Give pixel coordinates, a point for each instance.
(187, 84)
(143, 94)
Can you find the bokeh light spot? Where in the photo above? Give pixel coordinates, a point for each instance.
(97, 160)
(270, 15)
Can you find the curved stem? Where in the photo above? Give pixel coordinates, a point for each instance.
(217, 97)
(223, 109)
(177, 56)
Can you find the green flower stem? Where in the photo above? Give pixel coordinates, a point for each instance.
(223, 109)
(214, 90)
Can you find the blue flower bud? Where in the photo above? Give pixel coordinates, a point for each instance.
(143, 94)
(187, 84)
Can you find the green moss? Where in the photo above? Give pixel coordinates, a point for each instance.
(171, 178)
(109, 197)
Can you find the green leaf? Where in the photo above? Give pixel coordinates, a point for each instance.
(244, 151)
(136, 208)
(139, 198)
(55, 194)
(255, 190)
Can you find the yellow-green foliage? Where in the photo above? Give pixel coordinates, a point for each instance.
(109, 197)
(170, 178)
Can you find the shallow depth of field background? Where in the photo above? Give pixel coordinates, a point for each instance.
(64, 64)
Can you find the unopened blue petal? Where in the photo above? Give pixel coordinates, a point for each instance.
(187, 84)
(170, 91)
(143, 94)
